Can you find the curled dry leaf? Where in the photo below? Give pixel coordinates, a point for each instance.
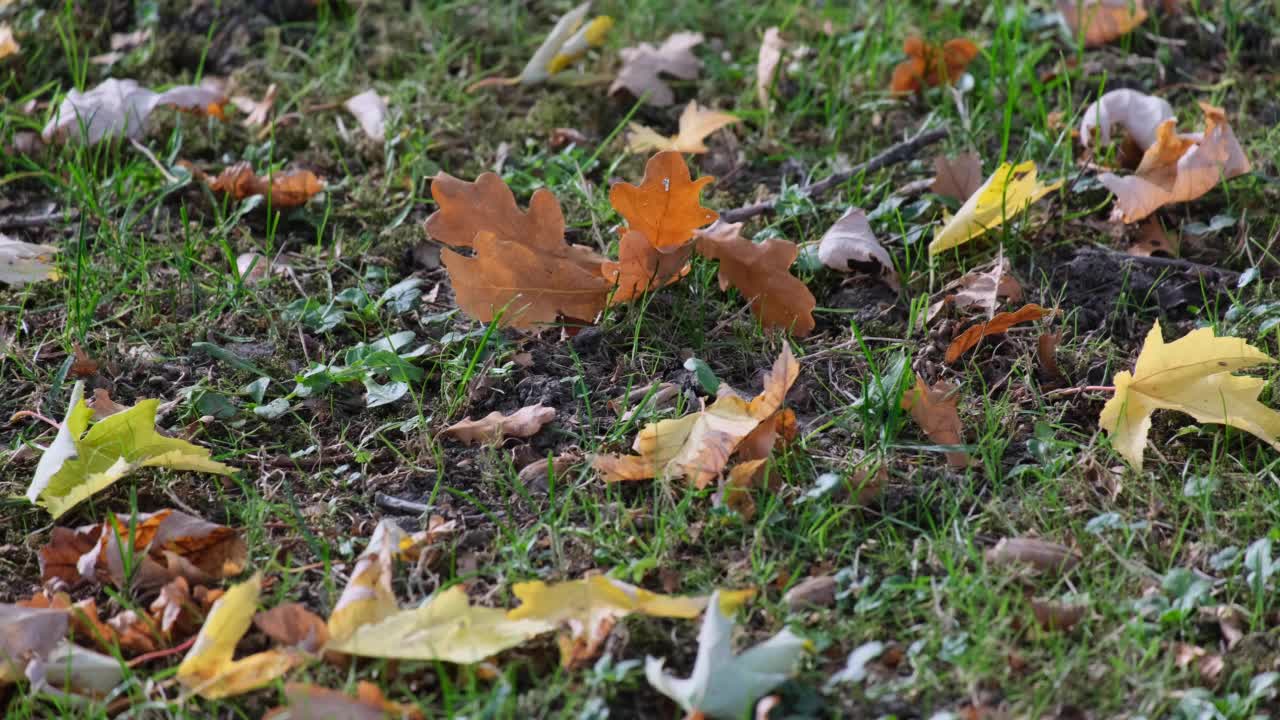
(1178, 168)
(1001, 323)
(762, 273)
(696, 123)
(666, 207)
(523, 423)
(370, 110)
(8, 45)
(957, 177)
(1138, 113)
(816, 591)
(1153, 238)
(1058, 616)
(644, 65)
(1047, 354)
(934, 410)
(982, 288)
(568, 41)
(27, 633)
(23, 262)
(850, 246)
(1098, 22)
(257, 111)
(293, 625)
(282, 190)
(120, 108)
(521, 266)
(1044, 556)
(929, 65)
(1008, 192)
(1192, 374)
(771, 48)
(312, 702)
(537, 473)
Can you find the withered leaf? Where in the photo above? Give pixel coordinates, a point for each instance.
(312, 702)
(641, 267)
(121, 108)
(929, 65)
(981, 288)
(851, 246)
(1042, 555)
(1001, 323)
(957, 177)
(696, 123)
(1098, 22)
(523, 423)
(293, 625)
(935, 410)
(1153, 238)
(666, 207)
(771, 48)
(282, 190)
(761, 272)
(644, 65)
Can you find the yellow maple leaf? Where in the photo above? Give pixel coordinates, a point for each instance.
(696, 123)
(209, 669)
(1006, 193)
(1193, 375)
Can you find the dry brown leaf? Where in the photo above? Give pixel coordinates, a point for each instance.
(644, 65)
(370, 110)
(1057, 616)
(8, 45)
(762, 273)
(1153, 238)
(536, 474)
(256, 111)
(957, 177)
(521, 262)
(641, 267)
(1209, 665)
(1178, 168)
(982, 288)
(928, 65)
(771, 48)
(666, 207)
(735, 491)
(1098, 22)
(1045, 556)
(1047, 353)
(84, 367)
(293, 625)
(312, 702)
(1001, 323)
(120, 108)
(27, 633)
(934, 410)
(812, 592)
(1138, 113)
(850, 246)
(696, 123)
(283, 190)
(174, 611)
(523, 423)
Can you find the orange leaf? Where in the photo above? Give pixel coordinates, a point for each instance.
(761, 272)
(666, 206)
(928, 65)
(642, 267)
(1100, 21)
(934, 410)
(523, 423)
(968, 339)
(293, 625)
(285, 190)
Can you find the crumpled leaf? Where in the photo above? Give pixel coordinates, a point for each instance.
(447, 628)
(761, 272)
(1008, 191)
(967, 340)
(8, 45)
(370, 110)
(1152, 238)
(312, 702)
(1138, 113)
(851, 246)
(79, 464)
(644, 65)
(257, 112)
(568, 41)
(666, 206)
(928, 65)
(521, 261)
(696, 123)
(724, 685)
(1098, 22)
(698, 446)
(23, 262)
(293, 625)
(934, 410)
(641, 267)
(209, 669)
(282, 190)
(71, 673)
(1043, 555)
(981, 288)
(1192, 374)
(523, 423)
(27, 633)
(957, 177)
(120, 108)
(1178, 167)
(771, 48)
(368, 597)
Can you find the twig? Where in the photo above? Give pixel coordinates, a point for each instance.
(895, 154)
(156, 655)
(393, 503)
(1064, 392)
(10, 222)
(151, 156)
(1179, 263)
(33, 414)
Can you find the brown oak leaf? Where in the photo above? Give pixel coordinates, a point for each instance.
(762, 273)
(928, 65)
(644, 65)
(934, 410)
(282, 190)
(641, 267)
(666, 206)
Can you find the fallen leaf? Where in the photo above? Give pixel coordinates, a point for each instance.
(121, 108)
(666, 207)
(174, 610)
(521, 262)
(78, 464)
(928, 65)
(254, 267)
(8, 45)
(696, 123)
(771, 48)
(934, 410)
(698, 446)
(84, 367)
(283, 190)
(1001, 323)
(523, 423)
(1138, 113)
(1192, 374)
(644, 65)
(850, 246)
(1008, 192)
(537, 473)
(370, 110)
(724, 685)
(1098, 22)
(293, 625)
(368, 598)
(982, 288)
(257, 112)
(1043, 555)
(25, 634)
(761, 272)
(568, 41)
(735, 491)
(816, 591)
(1209, 665)
(1058, 616)
(209, 669)
(312, 702)
(1178, 168)
(1152, 238)
(22, 262)
(641, 267)
(1047, 353)
(957, 177)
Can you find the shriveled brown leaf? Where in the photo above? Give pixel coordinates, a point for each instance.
(27, 633)
(816, 591)
(761, 272)
(696, 123)
(121, 108)
(312, 702)
(1047, 353)
(1098, 22)
(644, 65)
(103, 406)
(1138, 113)
(293, 625)
(8, 45)
(850, 246)
(1152, 238)
(934, 408)
(779, 427)
(536, 473)
(1209, 665)
(666, 207)
(257, 112)
(1058, 616)
(928, 65)
(83, 367)
(641, 267)
(521, 262)
(175, 611)
(1043, 555)
(283, 190)
(523, 423)
(771, 48)
(1001, 323)
(981, 288)
(735, 491)
(957, 177)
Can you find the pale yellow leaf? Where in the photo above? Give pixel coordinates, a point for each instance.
(368, 597)
(696, 123)
(1006, 193)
